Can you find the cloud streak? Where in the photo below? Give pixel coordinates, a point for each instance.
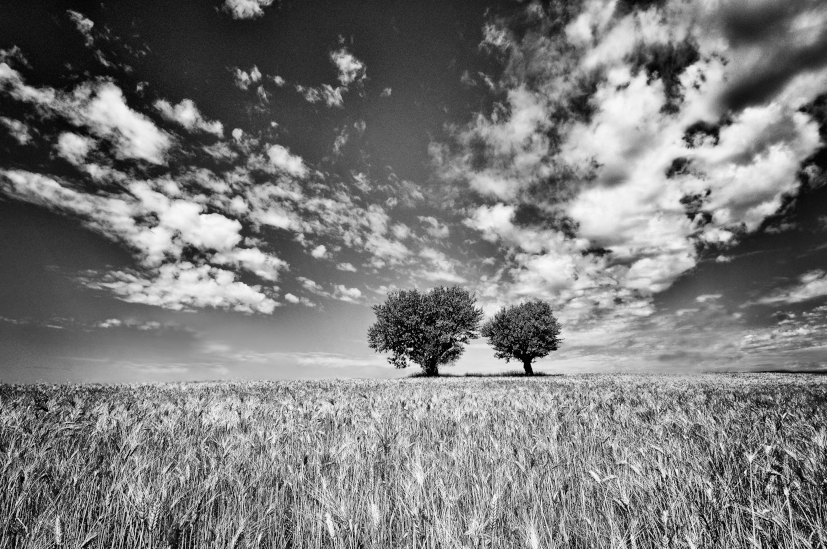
(811, 285)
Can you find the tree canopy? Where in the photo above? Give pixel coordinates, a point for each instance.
(426, 328)
(523, 332)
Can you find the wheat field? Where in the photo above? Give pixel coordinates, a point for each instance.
(567, 461)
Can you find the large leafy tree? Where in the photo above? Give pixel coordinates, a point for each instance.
(523, 332)
(427, 328)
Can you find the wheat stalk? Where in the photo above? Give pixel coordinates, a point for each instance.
(152, 516)
(238, 536)
(58, 531)
(89, 539)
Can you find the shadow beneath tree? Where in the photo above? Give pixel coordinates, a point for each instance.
(517, 374)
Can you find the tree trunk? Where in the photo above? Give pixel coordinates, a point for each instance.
(527, 365)
(431, 370)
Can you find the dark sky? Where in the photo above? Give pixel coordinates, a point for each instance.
(196, 190)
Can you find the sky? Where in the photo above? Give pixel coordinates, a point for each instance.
(223, 189)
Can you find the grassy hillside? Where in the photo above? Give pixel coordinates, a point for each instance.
(585, 461)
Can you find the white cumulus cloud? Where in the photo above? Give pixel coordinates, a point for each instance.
(246, 9)
(74, 147)
(281, 158)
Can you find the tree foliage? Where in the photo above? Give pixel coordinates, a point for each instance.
(426, 328)
(523, 332)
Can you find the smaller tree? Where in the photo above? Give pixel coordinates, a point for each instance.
(428, 328)
(524, 332)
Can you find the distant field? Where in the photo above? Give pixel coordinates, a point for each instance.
(572, 461)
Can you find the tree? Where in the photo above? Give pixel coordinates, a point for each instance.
(427, 328)
(523, 332)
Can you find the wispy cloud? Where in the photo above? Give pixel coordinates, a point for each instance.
(335, 360)
(187, 115)
(84, 26)
(339, 291)
(20, 131)
(351, 72)
(811, 285)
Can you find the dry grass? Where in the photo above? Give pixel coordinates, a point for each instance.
(585, 461)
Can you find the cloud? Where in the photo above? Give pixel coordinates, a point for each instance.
(110, 323)
(343, 293)
(331, 96)
(281, 158)
(773, 44)
(244, 79)
(401, 231)
(254, 260)
(84, 26)
(615, 156)
(376, 221)
(74, 147)
(311, 286)
(17, 129)
(303, 300)
(350, 69)
(101, 108)
(194, 229)
(167, 226)
(386, 92)
(783, 340)
(104, 111)
(187, 115)
(335, 360)
(340, 141)
(209, 231)
(707, 337)
(146, 326)
(246, 9)
(340, 291)
(440, 267)
(434, 227)
(220, 151)
(811, 285)
(14, 55)
(495, 37)
(183, 285)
